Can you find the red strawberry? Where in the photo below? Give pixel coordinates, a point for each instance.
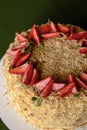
(22, 59)
(53, 27)
(27, 75)
(70, 78)
(20, 46)
(77, 36)
(47, 90)
(51, 35)
(81, 84)
(30, 37)
(43, 83)
(57, 86)
(16, 57)
(20, 38)
(72, 29)
(84, 42)
(35, 77)
(83, 76)
(44, 28)
(13, 52)
(66, 90)
(62, 28)
(83, 50)
(35, 35)
(19, 70)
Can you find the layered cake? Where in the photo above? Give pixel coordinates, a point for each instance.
(46, 72)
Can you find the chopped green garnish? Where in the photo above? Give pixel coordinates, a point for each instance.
(34, 98)
(39, 101)
(48, 21)
(40, 45)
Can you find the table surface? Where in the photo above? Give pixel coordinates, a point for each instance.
(20, 15)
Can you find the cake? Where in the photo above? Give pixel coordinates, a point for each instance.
(46, 72)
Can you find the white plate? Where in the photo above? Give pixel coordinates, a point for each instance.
(8, 114)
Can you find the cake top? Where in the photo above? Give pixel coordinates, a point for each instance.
(51, 58)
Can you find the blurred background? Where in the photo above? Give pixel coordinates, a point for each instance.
(19, 15)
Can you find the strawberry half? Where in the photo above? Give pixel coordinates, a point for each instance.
(20, 38)
(84, 42)
(47, 90)
(50, 35)
(13, 52)
(16, 57)
(63, 28)
(19, 70)
(77, 36)
(81, 84)
(27, 75)
(74, 90)
(22, 59)
(66, 90)
(35, 35)
(44, 28)
(57, 86)
(53, 27)
(43, 83)
(83, 76)
(83, 50)
(35, 77)
(70, 78)
(20, 46)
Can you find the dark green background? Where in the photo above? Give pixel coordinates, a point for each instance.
(19, 15)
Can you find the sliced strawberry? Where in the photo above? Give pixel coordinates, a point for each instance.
(22, 59)
(62, 28)
(83, 50)
(83, 76)
(43, 83)
(47, 90)
(70, 78)
(30, 36)
(20, 46)
(74, 90)
(44, 28)
(19, 70)
(81, 84)
(72, 29)
(20, 38)
(57, 86)
(84, 42)
(66, 90)
(13, 52)
(35, 77)
(27, 75)
(77, 36)
(16, 57)
(51, 35)
(53, 27)
(35, 35)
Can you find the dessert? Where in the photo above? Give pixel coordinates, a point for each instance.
(46, 72)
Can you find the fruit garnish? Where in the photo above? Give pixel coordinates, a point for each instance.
(83, 76)
(43, 83)
(62, 28)
(35, 77)
(23, 58)
(66, 90)
(50, 35)
(44, 28)
(83, 50)
(57, 86)
(20, 38)
(47, 90)
(20, 46)
(27, 75)
(53, 27)
(19, 70)
(13, 52)
(70, 78)
(81, 83)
